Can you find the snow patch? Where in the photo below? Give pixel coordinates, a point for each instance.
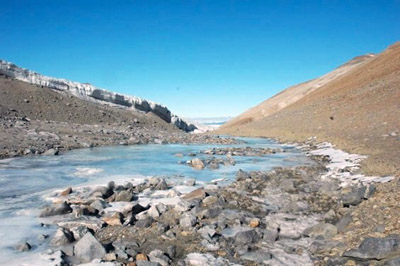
(343, 165)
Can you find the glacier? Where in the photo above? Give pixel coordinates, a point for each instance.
(89, 92)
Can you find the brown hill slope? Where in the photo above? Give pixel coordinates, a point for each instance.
(359, 111)
(295, 93)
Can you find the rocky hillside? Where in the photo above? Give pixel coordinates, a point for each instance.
(89, 92)
(36, 119)
(357, 109)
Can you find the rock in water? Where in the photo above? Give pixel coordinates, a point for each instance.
(88, 248)
(24, 247)
(50, 152)
(56, 209)
(196, 163)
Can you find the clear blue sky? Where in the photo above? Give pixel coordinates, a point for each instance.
(200, 58)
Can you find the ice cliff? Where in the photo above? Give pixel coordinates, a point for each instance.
(89, 92)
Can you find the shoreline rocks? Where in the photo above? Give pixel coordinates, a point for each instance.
(287, 216)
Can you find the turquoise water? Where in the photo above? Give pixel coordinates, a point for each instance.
(24, 181)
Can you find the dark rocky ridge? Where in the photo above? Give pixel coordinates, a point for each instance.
(88, 92)
(35, 119)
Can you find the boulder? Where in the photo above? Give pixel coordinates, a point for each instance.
(196, 163)
(321, 231)
(56, 209)
(89, 248)
(187, 220)
(62, 237)
(195, 194)
(124, 195)
(153, 212)
(99, 204)
(354, 197)
(143, 223)
(66, 192)
(199, 259)
(260, 257)
(246, 237)
(50, 152)
(113, 219)
(373, 248)
(210, 200)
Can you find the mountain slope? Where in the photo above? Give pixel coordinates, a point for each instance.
(89, 92)
(295, 93)
(359, 111)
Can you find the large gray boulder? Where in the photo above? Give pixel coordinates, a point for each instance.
(63, 236)
(56, 209)
(373, 248)
(187, 220)
(89, 248)
(321, 231)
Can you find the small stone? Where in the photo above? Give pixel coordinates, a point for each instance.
(114, 219)
(195, 194)
(190, 182)
(255, 222)
(187, 220)
(210, 200)
(162, 185)
(321, 231)
(99, 204)
(143, 223)
(66, 192)
(110, 257)
(153, 212)
(24, 247)
(246, 237)
(141, 256)
(124, 196)
(171, 251)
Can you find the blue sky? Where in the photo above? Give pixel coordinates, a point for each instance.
(200, 58)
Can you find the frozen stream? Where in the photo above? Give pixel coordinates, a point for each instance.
(25, 181)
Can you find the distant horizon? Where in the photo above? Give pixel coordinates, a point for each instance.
(200, 59)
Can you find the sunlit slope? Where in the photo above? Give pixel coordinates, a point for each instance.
(294, 93)
(359, 111)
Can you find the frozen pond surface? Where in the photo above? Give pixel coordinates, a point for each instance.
(24, 181)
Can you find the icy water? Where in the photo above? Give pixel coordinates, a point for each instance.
(25, 181)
